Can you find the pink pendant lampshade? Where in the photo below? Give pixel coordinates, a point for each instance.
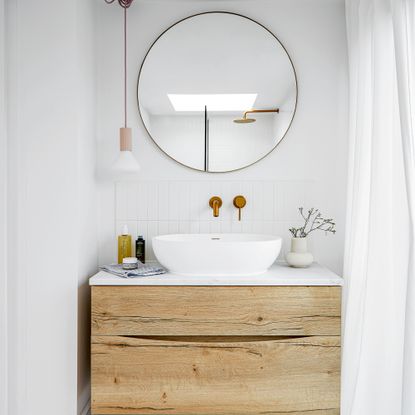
(126, 162)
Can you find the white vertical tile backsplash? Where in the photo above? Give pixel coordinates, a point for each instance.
(151, 208)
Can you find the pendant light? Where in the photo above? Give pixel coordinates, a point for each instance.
(125, 162)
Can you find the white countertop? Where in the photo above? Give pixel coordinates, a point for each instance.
(279, 274)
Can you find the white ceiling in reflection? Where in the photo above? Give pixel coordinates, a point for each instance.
(217, 53)
(215, 102)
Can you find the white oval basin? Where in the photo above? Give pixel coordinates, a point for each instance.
(217, 254)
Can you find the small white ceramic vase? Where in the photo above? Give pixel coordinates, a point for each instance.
(299, 257)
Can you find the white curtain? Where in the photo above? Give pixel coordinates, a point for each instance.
(378, 368)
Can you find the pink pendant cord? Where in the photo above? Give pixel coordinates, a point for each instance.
(125, 4)
(125, 67)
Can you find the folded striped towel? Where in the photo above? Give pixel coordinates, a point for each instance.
(143, 270)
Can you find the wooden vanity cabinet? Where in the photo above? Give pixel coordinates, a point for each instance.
(216, 350)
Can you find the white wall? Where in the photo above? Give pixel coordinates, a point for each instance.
(314, 150)
(87, 207)
(182, 137)
(3, 216)
(51, 200)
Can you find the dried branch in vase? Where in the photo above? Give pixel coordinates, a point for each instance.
(313, 221)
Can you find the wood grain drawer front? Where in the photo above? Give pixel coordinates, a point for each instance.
(195, 311)
(153, 376)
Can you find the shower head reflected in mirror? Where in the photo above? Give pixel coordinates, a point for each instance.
(246, 120)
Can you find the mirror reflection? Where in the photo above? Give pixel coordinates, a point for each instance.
(217, 92)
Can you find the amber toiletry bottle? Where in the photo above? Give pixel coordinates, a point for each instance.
(140, 249)
(124, 245)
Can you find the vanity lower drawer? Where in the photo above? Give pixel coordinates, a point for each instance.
(223, 375)
(196, 311)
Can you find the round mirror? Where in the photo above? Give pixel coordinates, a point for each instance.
(217, 92)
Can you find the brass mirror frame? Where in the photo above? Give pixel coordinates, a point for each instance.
(200, 14)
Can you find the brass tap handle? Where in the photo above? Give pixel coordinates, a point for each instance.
(215, 203)
(239, 202)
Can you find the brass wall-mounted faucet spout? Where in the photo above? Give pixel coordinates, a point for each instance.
(215, 203)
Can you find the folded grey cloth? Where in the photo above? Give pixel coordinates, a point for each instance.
(143, 270)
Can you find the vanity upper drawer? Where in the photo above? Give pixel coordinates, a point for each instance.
(215, 310)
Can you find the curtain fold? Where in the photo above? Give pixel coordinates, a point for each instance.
(404, 42)
(378, 361)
